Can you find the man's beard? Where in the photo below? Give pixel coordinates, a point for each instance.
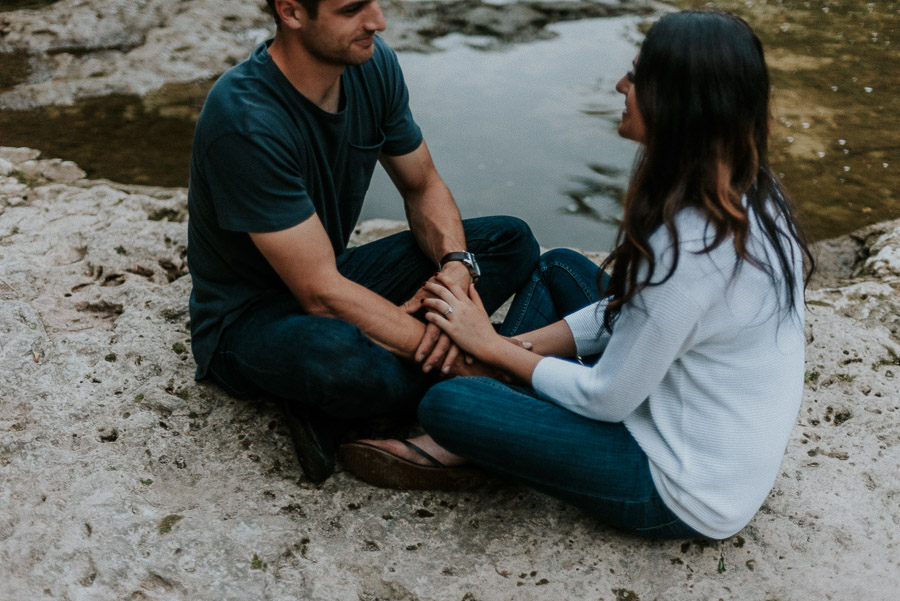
(339, 57)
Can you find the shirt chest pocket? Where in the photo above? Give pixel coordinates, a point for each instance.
(359, 167)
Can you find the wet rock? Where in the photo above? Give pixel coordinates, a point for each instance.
(55, 170)
(883, 262)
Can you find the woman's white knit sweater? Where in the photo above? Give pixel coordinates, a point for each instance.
(705, 370)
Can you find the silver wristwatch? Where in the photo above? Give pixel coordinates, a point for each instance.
(467, 259)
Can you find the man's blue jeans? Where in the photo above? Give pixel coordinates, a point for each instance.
(596, 466)
(329, 365)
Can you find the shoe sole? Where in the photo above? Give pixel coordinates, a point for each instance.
(315, 460)
(383, 469)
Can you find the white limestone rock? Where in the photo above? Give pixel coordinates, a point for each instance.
(123, 478)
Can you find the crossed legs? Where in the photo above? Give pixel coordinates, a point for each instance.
(327, 367)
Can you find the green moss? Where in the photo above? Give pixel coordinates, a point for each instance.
(817, 303)
(24, 178)
(12, 232)
(257, 564)
(891, 359)
(165, 215)
(166, 524)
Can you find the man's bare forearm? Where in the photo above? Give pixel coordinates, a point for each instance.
(303, 258)
(383, 322)
(435, 220)
(430, 209)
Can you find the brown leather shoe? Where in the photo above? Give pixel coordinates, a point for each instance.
(314, 443)
(384, 469)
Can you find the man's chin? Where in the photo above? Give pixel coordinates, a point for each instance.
(361, 56)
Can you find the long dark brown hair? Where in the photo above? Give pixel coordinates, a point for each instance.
(703, 91)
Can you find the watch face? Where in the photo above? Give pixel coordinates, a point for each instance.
(472, 264)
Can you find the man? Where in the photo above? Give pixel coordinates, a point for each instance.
(283, 153)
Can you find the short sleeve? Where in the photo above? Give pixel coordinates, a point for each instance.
(257, 187)
(402, 134)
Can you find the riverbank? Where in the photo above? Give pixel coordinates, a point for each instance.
(109, 72)
(124, 478)
(73, 49)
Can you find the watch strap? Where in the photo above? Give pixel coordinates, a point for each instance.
(466, 258)
(459, 255)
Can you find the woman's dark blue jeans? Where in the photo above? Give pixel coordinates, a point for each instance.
(329, 366)
(596, 466)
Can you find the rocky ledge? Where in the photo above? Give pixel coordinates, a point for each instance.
(122, 478)
(75, 49)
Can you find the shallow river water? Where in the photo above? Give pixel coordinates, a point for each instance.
(529, 129)
(835, 68)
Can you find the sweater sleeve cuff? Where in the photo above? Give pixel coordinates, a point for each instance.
(553, 378)
(586, 325)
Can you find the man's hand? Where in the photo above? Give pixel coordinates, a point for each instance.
(474, 368)
(469, 366)
(436, 348)
(437, 226)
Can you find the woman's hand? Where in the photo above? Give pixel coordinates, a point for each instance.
(435, 348)
(461, 315)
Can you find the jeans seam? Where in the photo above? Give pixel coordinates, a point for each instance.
(489, 382)
(536, 279)
(676, 521)
(585, 288)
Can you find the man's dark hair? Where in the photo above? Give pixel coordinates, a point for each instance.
(311, 7)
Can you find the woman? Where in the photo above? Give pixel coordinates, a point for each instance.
(677, 430)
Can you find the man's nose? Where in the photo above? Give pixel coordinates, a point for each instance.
(376, 20)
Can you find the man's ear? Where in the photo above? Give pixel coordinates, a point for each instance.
(291, 13)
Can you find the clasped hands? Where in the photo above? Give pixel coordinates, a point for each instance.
(458, 325)
(436, 348)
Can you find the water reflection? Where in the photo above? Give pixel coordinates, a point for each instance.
(522, 129)
(7, 5)
(14, 69)
(604, 184)
(529, 129)
(119, 137)
(836, 96)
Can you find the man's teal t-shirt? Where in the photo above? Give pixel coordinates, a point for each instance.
(264, 159)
